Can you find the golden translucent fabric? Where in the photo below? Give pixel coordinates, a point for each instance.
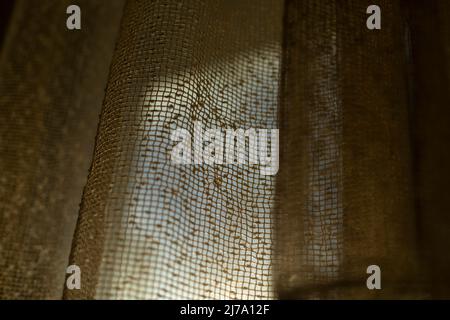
(170, 231)
(363, 168)
(364, 158)
(51, 88)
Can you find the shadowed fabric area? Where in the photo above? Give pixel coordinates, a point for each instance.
(51, 88)
(430, 46)
(364, 158)
(347, 145)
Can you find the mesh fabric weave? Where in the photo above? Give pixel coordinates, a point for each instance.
(52, 84)
(364, 158)
(195, 231)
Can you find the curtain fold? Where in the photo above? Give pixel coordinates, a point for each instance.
(149, 228)
(364, 130)
(430, 46)
(51, 88)
(346, 93)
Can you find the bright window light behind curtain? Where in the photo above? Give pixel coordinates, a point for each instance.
(176, 231)
(197, 231)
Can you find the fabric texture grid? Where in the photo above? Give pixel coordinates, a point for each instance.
(51, 89)
(87, 179)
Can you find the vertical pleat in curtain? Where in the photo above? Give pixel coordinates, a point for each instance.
(149, 228)
(346, 175)
(364, 163)
(430, 47)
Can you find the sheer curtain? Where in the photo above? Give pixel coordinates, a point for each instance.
(51, 89)
(86, 176)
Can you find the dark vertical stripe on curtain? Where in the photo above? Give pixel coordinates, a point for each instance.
(6, 8)
(430, 42)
